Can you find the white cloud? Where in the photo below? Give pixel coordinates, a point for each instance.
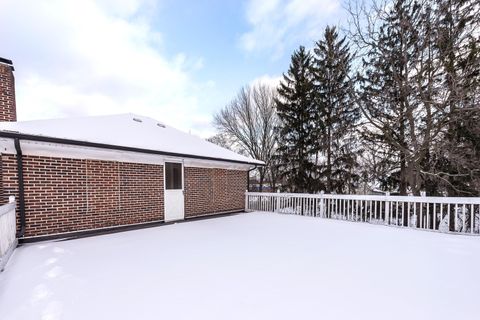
(96, 57)
(272, 81)
(277, 24)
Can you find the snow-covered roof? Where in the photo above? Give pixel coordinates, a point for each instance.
(125, 130)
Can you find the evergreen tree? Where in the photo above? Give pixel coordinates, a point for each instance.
(296, 138)
(336, 113)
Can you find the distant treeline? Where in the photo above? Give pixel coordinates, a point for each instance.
(391, 102)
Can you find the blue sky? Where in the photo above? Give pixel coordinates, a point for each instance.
(176, 61)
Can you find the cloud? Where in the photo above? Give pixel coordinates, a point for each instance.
(277, 24)
(96, 57)
(272, 81)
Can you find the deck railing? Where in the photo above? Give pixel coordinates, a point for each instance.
(443, 214)
(8, 229)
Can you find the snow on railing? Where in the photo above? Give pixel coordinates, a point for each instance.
(8, 229)
(443, 214)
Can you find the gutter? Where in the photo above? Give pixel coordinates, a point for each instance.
(22, 136)
(21, 189)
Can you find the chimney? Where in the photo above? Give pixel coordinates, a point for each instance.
(8, 109)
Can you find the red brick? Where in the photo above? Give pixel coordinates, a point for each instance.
(8, 111)
(65, 195)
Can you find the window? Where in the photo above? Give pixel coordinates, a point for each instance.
(173, 176)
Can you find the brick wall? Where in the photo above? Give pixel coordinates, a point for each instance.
(7, 93)
(66, 195)
(214, 190)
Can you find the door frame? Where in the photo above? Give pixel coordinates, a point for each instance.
(165, 190)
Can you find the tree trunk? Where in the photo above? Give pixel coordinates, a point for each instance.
(329, 158)
(262, 177)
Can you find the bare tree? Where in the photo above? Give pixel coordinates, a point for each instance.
(399, 92)
(456, 158)
(220, 139)
(249, 122)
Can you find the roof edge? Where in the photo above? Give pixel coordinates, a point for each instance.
(22, 136)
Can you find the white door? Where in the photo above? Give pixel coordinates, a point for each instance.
(174, 198)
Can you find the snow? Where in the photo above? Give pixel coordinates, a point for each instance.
(247, 266)
(128, 130)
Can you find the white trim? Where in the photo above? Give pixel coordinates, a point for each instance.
(200, 163)
(56, 150)
(172, 196)
(412, 199)
(165, 174)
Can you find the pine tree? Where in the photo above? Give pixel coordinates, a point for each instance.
(336, 112)
(295, 107)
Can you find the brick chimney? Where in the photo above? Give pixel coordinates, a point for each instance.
(8, 109)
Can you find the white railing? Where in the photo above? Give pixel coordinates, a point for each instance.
(8, 229)
(444, 214)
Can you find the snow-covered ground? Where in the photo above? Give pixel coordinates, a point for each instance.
(248, 266)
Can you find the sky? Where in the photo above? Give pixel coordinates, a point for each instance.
(176, 61)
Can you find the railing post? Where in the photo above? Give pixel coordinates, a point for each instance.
(387, 209)
(246, 201)
(277, 202)
(322, 207)
(455, 222)
(423, 194)
(407, 216)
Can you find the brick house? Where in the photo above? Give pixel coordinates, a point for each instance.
(93, 173)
